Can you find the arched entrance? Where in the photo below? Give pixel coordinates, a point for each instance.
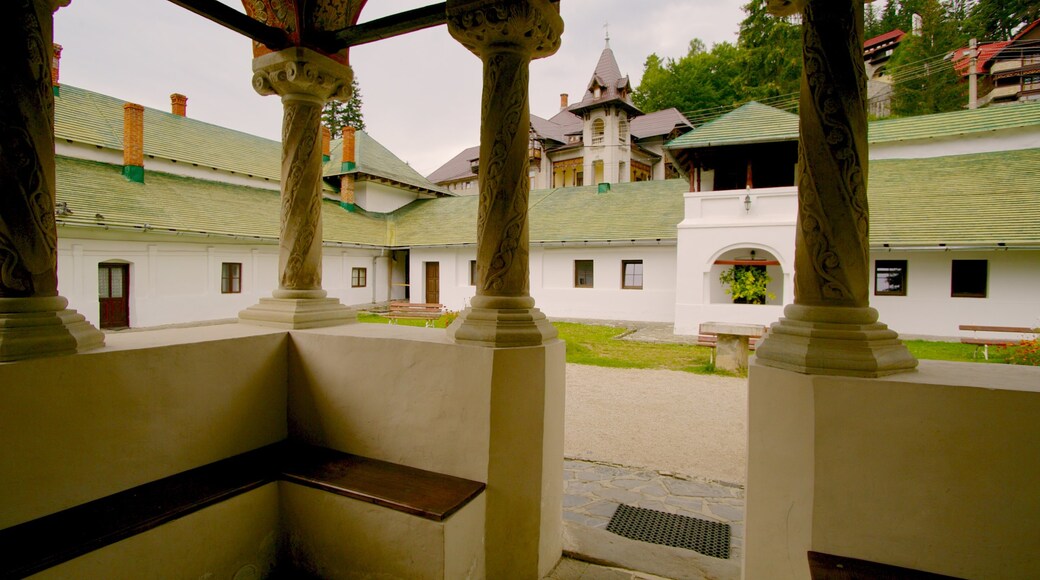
(746, 263)
(114, 294)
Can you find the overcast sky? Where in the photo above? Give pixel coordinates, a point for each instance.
(421, 91)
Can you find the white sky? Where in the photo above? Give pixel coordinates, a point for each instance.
(421, 91)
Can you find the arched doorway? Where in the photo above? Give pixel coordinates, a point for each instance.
(114, 294)
(753, 262)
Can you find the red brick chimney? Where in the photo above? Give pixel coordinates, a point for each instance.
(179, 105)
(326, 143)
(55, 62)
(133, 142)
(563, 101)
(346, 189)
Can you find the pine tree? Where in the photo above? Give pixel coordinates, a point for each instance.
(771, 59)
(337, 115)
(923, 75)
(999, 19)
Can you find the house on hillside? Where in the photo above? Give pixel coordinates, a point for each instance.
(604, 138)
(876, 53)
(1015, 68)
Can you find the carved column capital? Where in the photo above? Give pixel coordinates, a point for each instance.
(530, 26)
(303, 72)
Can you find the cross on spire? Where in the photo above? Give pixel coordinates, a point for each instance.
(606, 32)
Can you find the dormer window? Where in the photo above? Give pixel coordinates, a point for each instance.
(596, 93)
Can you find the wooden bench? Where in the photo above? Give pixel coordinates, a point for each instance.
(38, 544)
(985, 343)
(415, 310)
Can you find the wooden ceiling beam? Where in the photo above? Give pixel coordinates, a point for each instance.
(386, 27)
(228, 17)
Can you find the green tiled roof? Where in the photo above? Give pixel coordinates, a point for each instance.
(985, 198)
(758, 123)
(95, 119)
(375, 160)
(751, 123)
(648, 210)
(169, 202)
(955, 123)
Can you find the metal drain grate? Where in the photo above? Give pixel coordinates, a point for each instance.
(657, 527)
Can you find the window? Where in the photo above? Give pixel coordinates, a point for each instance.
(358, 277)
(968, 279)
(583, 273)
(623, 130)
(597, 132)
(230, 278)
(890, 278)
(632, 274)
(472, 272)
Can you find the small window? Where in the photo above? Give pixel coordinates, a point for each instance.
(597, 132)
(583, 273)
(968, 279)
(472, 272)
(632, 274)
(890, 278)
(230, 278)
(358, 277)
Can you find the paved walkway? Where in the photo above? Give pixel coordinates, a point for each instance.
(592, 491)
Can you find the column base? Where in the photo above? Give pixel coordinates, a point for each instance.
(295, 313)
(39, 327)
(831, 340)
(502, 322)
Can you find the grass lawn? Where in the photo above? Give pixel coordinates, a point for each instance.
(598, 345)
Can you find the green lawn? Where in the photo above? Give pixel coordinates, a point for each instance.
(598, 345)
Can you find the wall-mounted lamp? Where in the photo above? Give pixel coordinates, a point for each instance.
(747, 203)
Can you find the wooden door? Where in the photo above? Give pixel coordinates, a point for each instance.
(114, 295)
(433, 282)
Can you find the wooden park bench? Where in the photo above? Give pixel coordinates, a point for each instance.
(415, 310)
(985, 343)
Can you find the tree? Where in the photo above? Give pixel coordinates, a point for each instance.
(923, 75)
(771, 60)
(696, 81)
(337, 115)
(999, 19)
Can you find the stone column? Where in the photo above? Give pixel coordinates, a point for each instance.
(830, 328)
(506, 35)
(305, 80)
(33, 319)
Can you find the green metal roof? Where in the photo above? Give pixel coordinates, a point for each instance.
(372, 159)
(95, 119)
(758, 123)
(751, 123)
(648, 210)
(955, 123)
(171, 203)
(984, 198)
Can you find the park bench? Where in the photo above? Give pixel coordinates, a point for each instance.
(415, 310)
(985, 343)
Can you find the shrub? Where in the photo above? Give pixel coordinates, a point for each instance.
(747, 284)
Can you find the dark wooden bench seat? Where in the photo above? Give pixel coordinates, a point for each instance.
(830, 567)
(985, 343)
(38, 544)
(415, 310)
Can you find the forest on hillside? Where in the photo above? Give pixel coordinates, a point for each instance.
(765, 63)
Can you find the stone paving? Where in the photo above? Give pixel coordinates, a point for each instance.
(593, 490)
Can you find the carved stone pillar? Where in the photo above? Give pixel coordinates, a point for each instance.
(830, 328)
(506, 35)
(33, 319)
(305, 80)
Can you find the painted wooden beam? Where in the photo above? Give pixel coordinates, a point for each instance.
(228, 17)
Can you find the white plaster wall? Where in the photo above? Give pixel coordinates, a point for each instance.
(717, 226)
(928, 309)
(176, 279)
(1004, 140)
(893, 470)
(455, 289)
(380, 197)
(552, 283)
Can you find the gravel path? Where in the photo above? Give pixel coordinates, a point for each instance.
(661, 420)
